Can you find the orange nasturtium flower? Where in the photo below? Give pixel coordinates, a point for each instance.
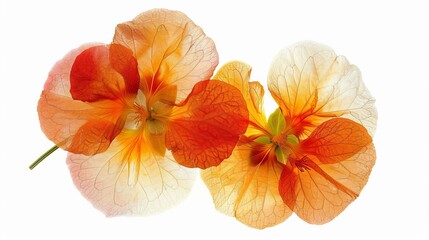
(136, 114)
(313, 155)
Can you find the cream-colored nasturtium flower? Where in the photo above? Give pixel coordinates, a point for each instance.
(313, 155)
(137, 114)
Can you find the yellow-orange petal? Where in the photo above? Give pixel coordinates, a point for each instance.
(319, 193)
(170, 50)
(87, 126)
(312, 84)
(128, 179)
(237, 74)
(206, 126)
(246, 190)
(336, 140)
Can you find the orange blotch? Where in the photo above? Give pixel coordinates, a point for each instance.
(206, 126)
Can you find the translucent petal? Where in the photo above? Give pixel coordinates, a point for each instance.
(58, 81)
(128, 179)
(335, 140)
(205, 128)
(81, 126)
(170, 50)
(312, 84)
(321, 192)
(238, 74)
(104, 72)
(246, 186)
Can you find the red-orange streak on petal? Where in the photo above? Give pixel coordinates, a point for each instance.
(336, 140)
(208, 125)
(288, 185)
(104, 72)
(307, 164)
(261, 152)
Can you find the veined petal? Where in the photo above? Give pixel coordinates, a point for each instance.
(128, 179)
(312, 84)
(58, 81)
(87, 126)
(246, 186)
(206, 126)
(319, 193)
(104, 72)
(336, 140)
(170, 50)
(237, 74)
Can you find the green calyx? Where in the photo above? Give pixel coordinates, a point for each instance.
(263, 140)
(281, 156)
(276, 122)
(292, 139)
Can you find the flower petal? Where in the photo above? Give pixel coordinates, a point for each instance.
(336, 140)
(128, 179)
(79, 126)
(246, 186)
(205, 128)
(170, 50)
(321, 192)
(312, 84)
(58, 81)
(104, 72)
(237, 74)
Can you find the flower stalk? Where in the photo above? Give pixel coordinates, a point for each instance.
(43, 156)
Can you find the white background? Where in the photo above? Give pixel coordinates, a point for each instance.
(388, 40)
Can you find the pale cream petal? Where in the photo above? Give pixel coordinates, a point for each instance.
(309, 81)
(170, 50)
(128, 179)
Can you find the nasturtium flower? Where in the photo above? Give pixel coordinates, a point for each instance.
(313, 155)
(135, 115)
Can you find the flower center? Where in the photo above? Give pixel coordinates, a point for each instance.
(145, 116)
(285, 145)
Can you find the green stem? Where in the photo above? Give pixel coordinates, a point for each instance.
(41, 158)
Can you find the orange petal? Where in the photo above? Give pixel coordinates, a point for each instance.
(104, 72)
(170, 50)
(78, 126)
(312, 84)
(319, 193)
(128, 180)
(206, 126)
(336, 140)
(246, 190)
(237, 74)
